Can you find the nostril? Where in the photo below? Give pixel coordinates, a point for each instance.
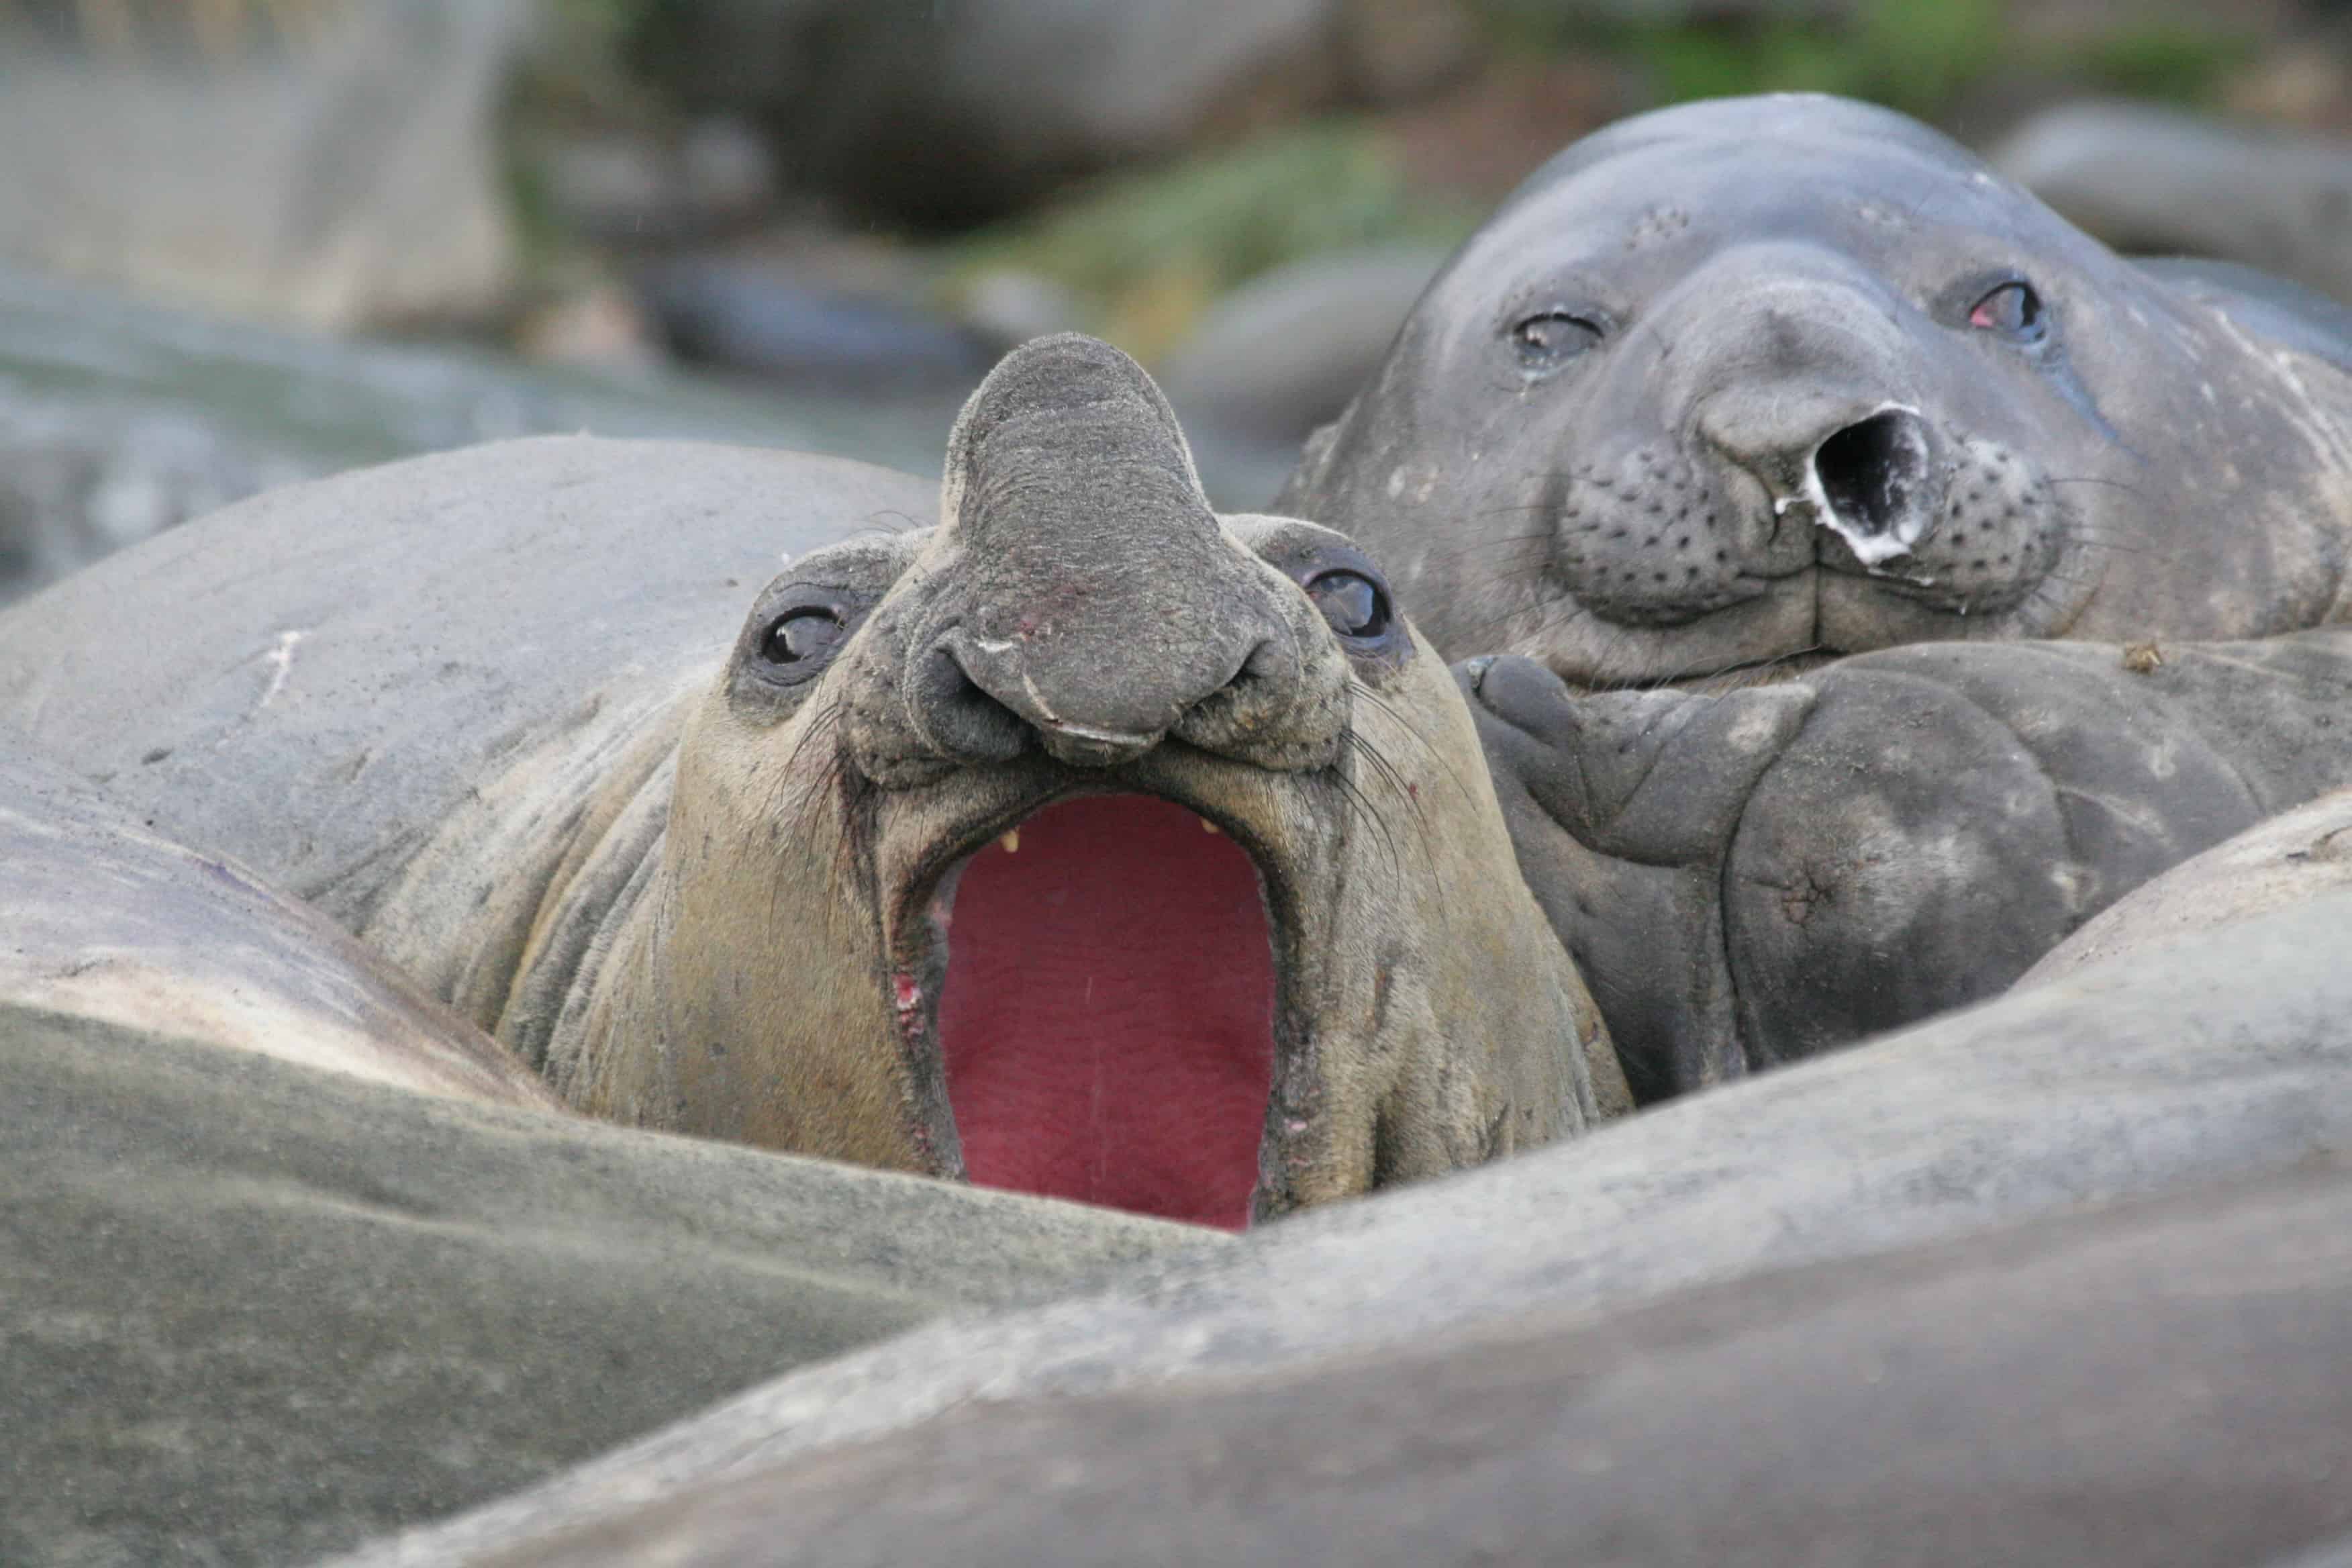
(961, 719)
(1873, 476)
(1254, 670)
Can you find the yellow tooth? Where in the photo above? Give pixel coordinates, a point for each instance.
(1011, 842)
(1208, 826)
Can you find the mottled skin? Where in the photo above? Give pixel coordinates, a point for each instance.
(1771, 379)
(1754, 875)
(481, 709)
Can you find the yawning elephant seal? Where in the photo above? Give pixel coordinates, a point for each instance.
(1087, 844)
(1738, 382)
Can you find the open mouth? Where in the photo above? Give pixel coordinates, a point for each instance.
(1106, 1024)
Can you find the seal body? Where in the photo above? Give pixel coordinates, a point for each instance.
(1755, 875)
(2286, 860)
(328, 1306)
(105, 920)
(340, 1258)
(2202, 1079)
(1756, 381)
(782, 878)
(1969, 1403)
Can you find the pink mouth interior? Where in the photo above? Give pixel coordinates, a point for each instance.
(1107, 1019)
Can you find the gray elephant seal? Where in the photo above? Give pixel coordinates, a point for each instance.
(2179, 1071)
(104, 920)
(1085, 844)
(1969, 1402)
(1746, 877)
(1761, 379)
(2289, 859)
(339, 1260)
(258, 1311)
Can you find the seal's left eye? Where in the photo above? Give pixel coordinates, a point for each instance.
(798, 640)
(2014, 309)
(1356, 605)
(1547, 341)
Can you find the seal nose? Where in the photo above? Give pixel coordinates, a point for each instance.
(1092, 601)
(1871, 481)
(1866, 474)
(986, 718)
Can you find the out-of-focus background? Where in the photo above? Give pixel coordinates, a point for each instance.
(246, 241)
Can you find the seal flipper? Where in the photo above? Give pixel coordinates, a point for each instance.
(1942, 816)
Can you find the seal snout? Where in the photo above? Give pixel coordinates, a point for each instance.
(982, 701)
(1870, 482)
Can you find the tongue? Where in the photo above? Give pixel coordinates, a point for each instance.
(1108, 1020)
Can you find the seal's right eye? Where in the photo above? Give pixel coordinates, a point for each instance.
(1352, 603)
(2013, 311)
(800, 640)
(1549, 339)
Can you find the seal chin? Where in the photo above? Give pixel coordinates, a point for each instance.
(1096, 987)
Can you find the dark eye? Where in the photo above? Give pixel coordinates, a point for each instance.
(2014, 309)
(1356, 605)
(799, 640)
(1550, 340)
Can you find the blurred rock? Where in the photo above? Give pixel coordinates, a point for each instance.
(1554, 18)
(764, 320)
(339, 175)
(2305, 83)
(599, 327)
(2163, 181)
(630, 189)
(1284, 353)
(1395, 50)
(118, 419)
(1482, 139)
(1007, 307)
(947, 113)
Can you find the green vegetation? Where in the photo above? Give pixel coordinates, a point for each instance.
(1917, 56)
(2179, 63)
(1152, 248)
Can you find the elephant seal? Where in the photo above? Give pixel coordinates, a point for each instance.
(1758, 380)
(1975, 1402)
(2175, 1071)
(101, 918)
(258, 1311)
(1749, 877)
(2286, 860)
(293, 1253)
(1085, 844)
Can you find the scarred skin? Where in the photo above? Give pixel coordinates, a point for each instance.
(480, 708)
(1594, 442)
